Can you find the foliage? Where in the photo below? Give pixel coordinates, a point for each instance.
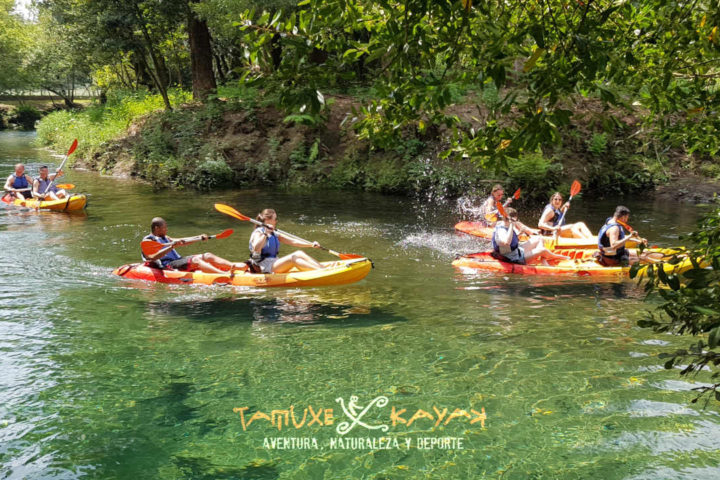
(598, 143)
(101, 123)
(657, 54)
(26, 116)
(13, 38)
(537, 175)
(692, 306)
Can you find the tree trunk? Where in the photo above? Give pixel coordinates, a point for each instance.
(203, 77)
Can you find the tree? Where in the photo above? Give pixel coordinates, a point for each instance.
(538, 54)
(12, 41)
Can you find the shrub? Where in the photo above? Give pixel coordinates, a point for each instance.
(25, 116)
(537, 175)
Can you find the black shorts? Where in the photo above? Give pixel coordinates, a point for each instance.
(182, 264)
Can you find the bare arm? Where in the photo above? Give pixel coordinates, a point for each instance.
(296, 242)
(613, 234)
(544, 221)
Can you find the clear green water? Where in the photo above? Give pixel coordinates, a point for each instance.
(105, 378)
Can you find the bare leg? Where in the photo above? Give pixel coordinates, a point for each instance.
(298, 259)
(219, 263)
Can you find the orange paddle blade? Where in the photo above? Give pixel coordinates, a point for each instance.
(151, 247)
(575, 188)
(72, 147)
(501, 209)
(228, 210)
(225, 233)
(348, 256)
(516, 195)
(65, 186)
(625, 225)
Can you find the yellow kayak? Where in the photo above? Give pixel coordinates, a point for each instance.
(73, 203)
(582, 267)
(335, 273)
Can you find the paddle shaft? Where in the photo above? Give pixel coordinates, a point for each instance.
(67, 155)
(289, 235)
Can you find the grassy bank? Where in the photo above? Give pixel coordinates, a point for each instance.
(241, 139)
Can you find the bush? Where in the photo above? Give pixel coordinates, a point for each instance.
(537, 175)
(25, 116)
(101, 123)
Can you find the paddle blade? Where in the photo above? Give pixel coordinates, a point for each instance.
(575, 188)
(65, 186)
(501, 209)
(625, 225)
(349, 256)
(225, 234)
(72, 147)
(516, 195)
(151, 247)
(228, 210)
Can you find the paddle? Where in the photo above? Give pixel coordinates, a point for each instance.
(574, 190)
(151, 247)
(228, 210)
(65, 186)
(491, 217)
(67, 155)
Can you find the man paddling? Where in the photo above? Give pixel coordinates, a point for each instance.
(19, 183)
(168, 257)
(612, 239)
(40, 188)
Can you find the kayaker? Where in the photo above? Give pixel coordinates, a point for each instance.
(613, 237)
(265, 247)
(42, 182)
(489, 208)
(19, 184)
(506, 243)
(168, 257)
(550, 221)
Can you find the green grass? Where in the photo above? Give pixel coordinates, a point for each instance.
(98, 124)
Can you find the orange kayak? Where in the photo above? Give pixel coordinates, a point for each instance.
(582, 267)
(335, 273)
(73, 203)
(478, 229)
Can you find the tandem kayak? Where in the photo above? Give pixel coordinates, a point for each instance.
(73, 203)
(485, 261)
(335, 273)
(478, 229)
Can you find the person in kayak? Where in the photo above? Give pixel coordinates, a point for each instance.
(550, 220)
(19, 184)
(507, 246)
(613, 237)
(168, 257)
(265, 247)
(41, 184)
(489, 208)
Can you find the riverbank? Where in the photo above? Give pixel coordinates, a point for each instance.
(241, 139)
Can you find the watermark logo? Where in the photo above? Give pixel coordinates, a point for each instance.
(351, 411)
(356, 417)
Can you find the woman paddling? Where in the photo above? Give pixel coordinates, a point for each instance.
(550, 220)
(265, 247)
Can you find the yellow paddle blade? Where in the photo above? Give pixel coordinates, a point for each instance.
(228, 210)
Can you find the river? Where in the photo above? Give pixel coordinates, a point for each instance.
(101, 377)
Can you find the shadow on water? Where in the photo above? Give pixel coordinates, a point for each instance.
(275, 311)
